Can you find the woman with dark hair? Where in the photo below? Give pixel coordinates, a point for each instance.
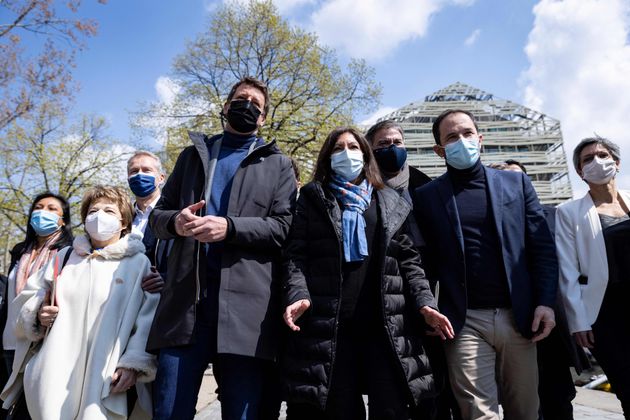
(355, 294)
(48, 231)
(593, 245)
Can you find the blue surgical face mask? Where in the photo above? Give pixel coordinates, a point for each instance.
(463, 153)
(44, 222)
(348, 164)
(141, 184)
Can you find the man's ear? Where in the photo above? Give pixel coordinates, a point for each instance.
(225, 109)
(439, 150)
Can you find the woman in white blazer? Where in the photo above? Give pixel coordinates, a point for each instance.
(593, 245)
(92, 319)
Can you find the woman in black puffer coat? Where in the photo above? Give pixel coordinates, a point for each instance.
(353, 278)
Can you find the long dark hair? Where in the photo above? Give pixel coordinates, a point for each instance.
(66, 230)
(323, 171)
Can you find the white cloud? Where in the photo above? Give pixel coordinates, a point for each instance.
(579, 72)
(472, 38)
(381, 112)
(171, 110)
(166, 90)
(285, 6)
(374, 28)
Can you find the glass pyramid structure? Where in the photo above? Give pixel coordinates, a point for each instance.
(510, 131)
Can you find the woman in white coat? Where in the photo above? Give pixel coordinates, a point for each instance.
(593, 244)
(93, 319)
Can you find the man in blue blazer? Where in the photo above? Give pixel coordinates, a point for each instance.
(490, 250)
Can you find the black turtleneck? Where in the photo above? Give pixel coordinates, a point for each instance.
(486, 282)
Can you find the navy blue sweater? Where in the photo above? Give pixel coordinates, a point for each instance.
(234, 149)
(486, 282)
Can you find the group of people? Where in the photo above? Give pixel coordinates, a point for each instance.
(438, 299)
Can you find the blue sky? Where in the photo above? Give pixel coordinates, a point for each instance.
(567, 58)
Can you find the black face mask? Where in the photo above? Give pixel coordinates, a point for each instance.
(390, 159)
(243, 116)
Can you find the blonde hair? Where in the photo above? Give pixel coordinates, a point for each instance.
(116, 195)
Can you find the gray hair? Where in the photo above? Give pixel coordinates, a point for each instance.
(149, 154)
(612, 148)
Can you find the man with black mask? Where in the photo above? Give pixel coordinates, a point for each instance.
(388, 144)
(227, 206)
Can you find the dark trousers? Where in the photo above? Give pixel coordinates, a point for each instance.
(443, 406)
(248, 387)
(363, 365)
(611, 332)
(555, 383)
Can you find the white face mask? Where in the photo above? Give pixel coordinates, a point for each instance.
(599, 171)
(348, 164)
(102, 226)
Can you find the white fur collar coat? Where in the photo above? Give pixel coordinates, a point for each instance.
(103, 323)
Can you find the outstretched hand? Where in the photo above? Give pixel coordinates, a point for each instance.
(295, 311)
(439, 323)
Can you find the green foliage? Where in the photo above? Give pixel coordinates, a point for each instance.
(46, 153)
(311, 92)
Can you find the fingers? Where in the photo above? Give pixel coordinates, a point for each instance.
(122, 380)
(152, 282)
(447, 328)
(187, 215)
(536, 322)
(47, 315)
(194, 208)
(295, 311)
(585, 339)
(288, 319)
(154, 285)
(547, 327)
(438, 322)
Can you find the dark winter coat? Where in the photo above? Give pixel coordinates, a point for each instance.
(313, 270)
(259, 215)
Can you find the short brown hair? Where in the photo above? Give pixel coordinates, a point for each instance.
(261, 86)
(440, 118)
(383, 125)
(116, 195)
(323, 171)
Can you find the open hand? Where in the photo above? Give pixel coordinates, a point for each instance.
(294, 311)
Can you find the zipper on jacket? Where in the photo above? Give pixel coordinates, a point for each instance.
(382, 301)
(336, 326)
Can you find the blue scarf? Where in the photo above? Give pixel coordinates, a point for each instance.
(355, 199)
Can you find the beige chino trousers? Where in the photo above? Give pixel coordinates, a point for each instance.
(488, 358)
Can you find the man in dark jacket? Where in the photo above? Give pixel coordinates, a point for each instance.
(388, 144)
(491, 250)
(227, 205)
(387, 140)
